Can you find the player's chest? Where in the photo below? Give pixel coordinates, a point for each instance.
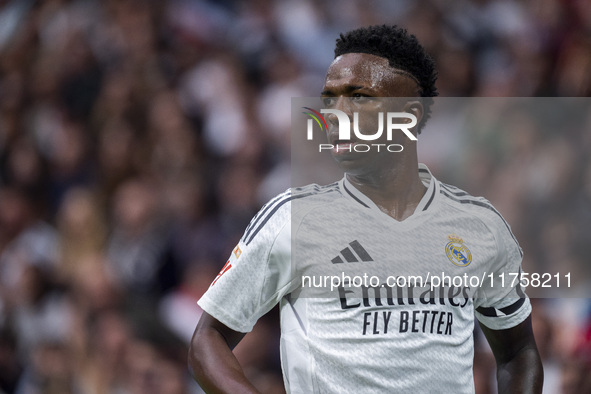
(357, 243)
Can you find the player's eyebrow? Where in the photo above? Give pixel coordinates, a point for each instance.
(345, 89)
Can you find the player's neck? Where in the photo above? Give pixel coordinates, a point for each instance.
(396, 191)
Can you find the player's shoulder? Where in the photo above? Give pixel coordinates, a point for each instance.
(279, 211)
(476, 206)
(309, 198)
(310, 194)
(315, 193)
(480, 209)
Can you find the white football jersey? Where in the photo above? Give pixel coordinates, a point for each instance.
(387, 335)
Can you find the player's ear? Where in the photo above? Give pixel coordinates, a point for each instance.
(416, 108)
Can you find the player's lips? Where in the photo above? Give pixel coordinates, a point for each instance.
(343, 147)
(334, 140)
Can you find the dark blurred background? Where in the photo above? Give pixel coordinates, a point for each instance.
(138, 138)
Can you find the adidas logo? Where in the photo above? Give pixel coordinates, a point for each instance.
(347, 253)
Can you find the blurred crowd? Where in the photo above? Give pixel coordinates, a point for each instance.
(138, 138)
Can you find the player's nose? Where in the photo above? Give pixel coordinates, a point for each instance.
(341, 104)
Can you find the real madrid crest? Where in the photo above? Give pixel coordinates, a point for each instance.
(457, 252)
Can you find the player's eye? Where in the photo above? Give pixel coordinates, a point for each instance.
(360, 98)
(329, 101)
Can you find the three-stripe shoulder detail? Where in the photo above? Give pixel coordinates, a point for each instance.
(259, 221)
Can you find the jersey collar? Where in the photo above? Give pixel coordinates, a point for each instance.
(352, 193)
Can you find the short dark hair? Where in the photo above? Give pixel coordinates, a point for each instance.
(403, 52)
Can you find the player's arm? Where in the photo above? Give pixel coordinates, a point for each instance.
(211, 359)
(255, 278)
(519, 367)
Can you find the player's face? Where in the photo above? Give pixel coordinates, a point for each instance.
(353, 83)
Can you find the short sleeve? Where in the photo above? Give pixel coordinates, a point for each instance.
(257, 274)
(501, 302)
